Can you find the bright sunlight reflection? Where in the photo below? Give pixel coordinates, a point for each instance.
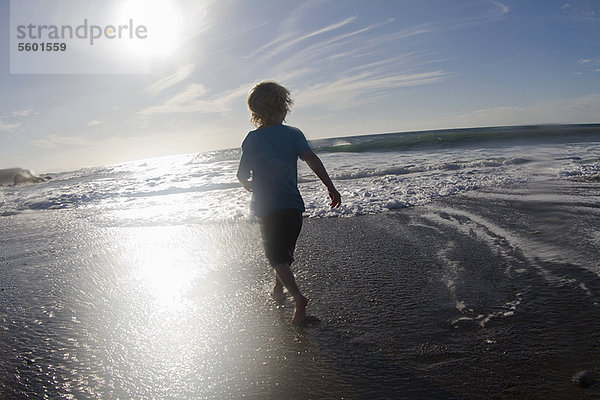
(165, 266)
(163, 20)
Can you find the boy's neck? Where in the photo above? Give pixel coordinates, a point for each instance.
(269, 125)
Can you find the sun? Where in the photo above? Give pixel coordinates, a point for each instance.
(163, 22)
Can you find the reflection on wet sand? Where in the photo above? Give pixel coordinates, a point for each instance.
(438, 302)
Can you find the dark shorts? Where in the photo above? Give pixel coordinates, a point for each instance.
(280, 231)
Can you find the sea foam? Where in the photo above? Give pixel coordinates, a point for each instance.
(199, 187)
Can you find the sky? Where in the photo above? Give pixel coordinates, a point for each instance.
(353, 67)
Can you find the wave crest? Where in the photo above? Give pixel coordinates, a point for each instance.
(16, 176)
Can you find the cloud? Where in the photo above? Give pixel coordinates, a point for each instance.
(361, 88)
(23, 113)
(503, 8)
(581, 11)
(584, 109)
(193, 99)
(347, 47)
(327, 45)
(182, 73)
(94, 122)
(352, 47)
(53, 141)
(5, 126)
(287, 44)
(593, 61)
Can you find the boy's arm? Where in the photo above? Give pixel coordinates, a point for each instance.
(246, 183)
(314, 162)
(243, 174)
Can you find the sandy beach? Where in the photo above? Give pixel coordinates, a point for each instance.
(488, 294)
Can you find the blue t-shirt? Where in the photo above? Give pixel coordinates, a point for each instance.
(270, 157)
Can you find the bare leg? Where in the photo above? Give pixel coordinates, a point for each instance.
(285, 275)
(278, 290)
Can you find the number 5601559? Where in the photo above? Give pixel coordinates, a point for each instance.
(42, 46)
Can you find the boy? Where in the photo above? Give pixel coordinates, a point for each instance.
(270, 157)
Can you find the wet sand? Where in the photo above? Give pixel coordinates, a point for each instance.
(488, 294)
(491, 294)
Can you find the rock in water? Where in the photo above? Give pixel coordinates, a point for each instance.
(15, 176)
(583, 378)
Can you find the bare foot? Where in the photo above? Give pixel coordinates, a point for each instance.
(300, 310)
(277, 294)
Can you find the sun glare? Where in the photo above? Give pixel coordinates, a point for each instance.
(164, 269)
(163, 21)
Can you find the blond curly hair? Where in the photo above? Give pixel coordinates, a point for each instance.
(269, 103)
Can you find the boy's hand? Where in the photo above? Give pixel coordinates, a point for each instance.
(246, 184)
(336, 199)
(314, 162)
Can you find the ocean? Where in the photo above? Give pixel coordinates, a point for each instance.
(461, 264)
(374, 173)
